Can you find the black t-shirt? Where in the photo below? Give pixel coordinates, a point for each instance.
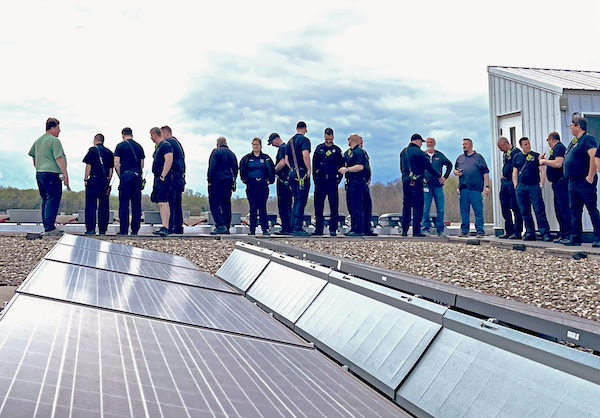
(528, 167)
(355, 156)
(131, 155)
(301, 143)
(159, 157)
(367, 170)
(577, 160)
(508, 161)
(100, 159)
(285, 171)
(178, 168)
(555, 174)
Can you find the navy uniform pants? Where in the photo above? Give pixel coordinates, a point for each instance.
(96, 202)
(326, 188)
(176, 219)
(130, 191)
(582, 193)
(561, 207)
(513, 220)
(257, 193)
(284, 204)
(413, 201)
(357, 192)
(219, 200)
(528, 196)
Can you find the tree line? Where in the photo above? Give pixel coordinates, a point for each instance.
(387, 198)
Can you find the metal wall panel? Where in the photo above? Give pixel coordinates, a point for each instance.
(460, 375)
(128, 265)
(244, 265)
(59, 359)
(154, 298)
(287, 291)
(126, 250)
(379, 342)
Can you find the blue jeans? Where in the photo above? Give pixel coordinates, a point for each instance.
(50, 188)
(470, 198)
(436, 194)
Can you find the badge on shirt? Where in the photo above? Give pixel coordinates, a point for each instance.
(550, 152)
(262, 160)
(529, 157)
(574, 141)
(328, 153)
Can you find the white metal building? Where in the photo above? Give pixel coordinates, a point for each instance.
(533, 102)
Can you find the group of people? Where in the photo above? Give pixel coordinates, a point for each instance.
(292, 171)
(127, 161)
(572, 170)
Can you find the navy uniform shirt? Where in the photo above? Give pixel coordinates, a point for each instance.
(131, 155)
(508, 163)
(163, 149)
(355, 156)
(222, 165)
(473, 168)
(327, 161)
(414, 161)
(253, 168)
(555, 174)
(178, 168)
(301, 143)
(577, 160)
(285, 171)
(101, 161)
(528, 167)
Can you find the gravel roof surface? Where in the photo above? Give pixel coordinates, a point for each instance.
(566, 285)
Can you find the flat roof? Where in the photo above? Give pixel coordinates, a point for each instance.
(544, 77)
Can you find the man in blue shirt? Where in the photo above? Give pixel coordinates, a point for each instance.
(513, 221)
(473, 179)
(163, 179)
(560, 185)
(357, 189)
(580, 169)
(528, 178)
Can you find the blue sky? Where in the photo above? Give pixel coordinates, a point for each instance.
(240, 69)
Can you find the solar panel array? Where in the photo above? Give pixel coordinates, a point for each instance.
(101, 329)
(429, 359)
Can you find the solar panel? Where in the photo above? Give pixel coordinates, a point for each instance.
(125, 250)
(243, 266)
(64, 359)
(460, 375)
(158, 299)
(286, 290)
(134, 266)
(379, 341)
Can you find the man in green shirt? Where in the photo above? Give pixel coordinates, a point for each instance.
(51, 167)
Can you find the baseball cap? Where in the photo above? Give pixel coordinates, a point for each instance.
(272, 137)
(416, 137)
(301, 125)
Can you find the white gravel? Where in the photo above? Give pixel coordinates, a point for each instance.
(565, 285)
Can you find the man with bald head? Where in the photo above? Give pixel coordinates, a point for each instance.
(513, 220)
(356, 185)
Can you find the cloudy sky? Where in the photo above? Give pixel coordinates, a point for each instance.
(241, 69)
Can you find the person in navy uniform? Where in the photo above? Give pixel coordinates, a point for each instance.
(298, 159)
(163, 179)
(528, 178)
(580, 170)
(560, 185)
(356, 185)
(178, 172)
(413, 164)
(129, 163)
(99, 163)
(257, 171)
(222, 174)
(513, 221)
(367, 202)
(284, 193)
(327, 160)
(433, 187)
